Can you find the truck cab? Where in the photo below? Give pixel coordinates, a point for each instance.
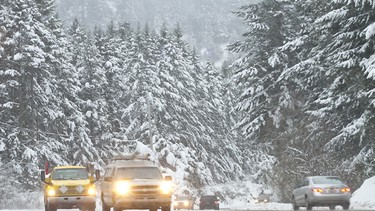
(69, 187)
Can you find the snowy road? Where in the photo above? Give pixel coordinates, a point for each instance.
(223, 209)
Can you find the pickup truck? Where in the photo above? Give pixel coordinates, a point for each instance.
(134, 182)
(69, 187)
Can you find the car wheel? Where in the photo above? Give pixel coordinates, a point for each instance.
(117, 208)
(332, 207)
(105, 207)
(295, 207)
(201, 208)
(50, 207)
(167, 208)
(345, 206)
(307, 204)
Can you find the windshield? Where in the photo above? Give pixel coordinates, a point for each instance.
(327, 180)
(182, 198)
(70, 174)
(138, 173)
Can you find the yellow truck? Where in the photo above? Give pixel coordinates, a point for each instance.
(69, 187)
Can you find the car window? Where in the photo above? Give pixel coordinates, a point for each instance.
(306, 182)
(300, 184)
(138, 173)
(108, 172)
(327, 180)
(208, 198)
(70, 174)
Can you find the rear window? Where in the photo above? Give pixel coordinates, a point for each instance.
(129, 173)
(208, 198)
(327, 180)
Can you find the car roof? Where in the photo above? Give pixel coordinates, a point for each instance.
(69, 167)
(132, 163)
(322, 177)
(208, 196)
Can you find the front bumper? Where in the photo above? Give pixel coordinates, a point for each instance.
(182, 206)
(142, 203)
(70, 202)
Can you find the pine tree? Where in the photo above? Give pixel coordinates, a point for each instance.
(345, 103)
(28, 106)
(266, 102)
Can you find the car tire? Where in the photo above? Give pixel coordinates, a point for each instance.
(307, 204)
(105, 207)
(332, 207)
(201, 208)
(117, 208)
(346, 206)
(166, 208)
(51, 207)
(295, 207)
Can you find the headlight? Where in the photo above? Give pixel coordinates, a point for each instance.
(122, 188)
(175, 203)
(91, 191)
(186, 203)
(51, 192)
(166, 187)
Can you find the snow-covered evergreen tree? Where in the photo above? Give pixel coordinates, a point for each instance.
(30, 115)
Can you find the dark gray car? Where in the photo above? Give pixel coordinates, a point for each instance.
(321, 191)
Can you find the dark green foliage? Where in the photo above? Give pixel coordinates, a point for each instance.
(313, 108)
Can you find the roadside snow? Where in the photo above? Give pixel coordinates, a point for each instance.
(363, 197)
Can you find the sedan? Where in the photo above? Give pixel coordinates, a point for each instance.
(183, 202)
(321, 191)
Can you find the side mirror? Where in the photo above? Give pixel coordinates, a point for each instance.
(168, 178)
(43, 176)
(108, 179)
(97, 174)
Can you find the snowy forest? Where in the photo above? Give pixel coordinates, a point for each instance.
(298, 99)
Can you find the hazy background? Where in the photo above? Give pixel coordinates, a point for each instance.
(208, 25)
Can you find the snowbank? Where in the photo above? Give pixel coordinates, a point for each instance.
(363, 197)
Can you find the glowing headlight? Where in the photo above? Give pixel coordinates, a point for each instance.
(122, 188)
(175, 203)
(91, 191)
(186, 203)
(166, 187)
(51, 192)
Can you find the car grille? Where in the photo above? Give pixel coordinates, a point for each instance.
(145, 190)
(71, 190)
